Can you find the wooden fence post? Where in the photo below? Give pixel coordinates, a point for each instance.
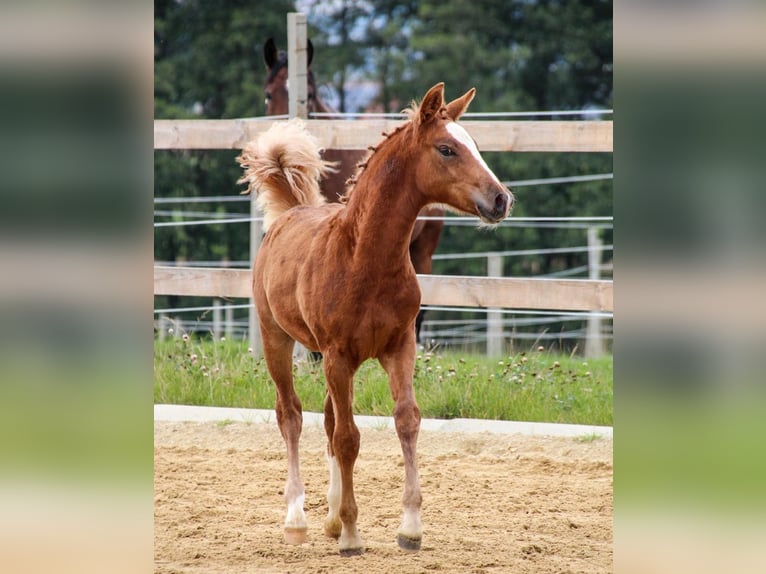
(594, 344)
(162, 326)
(256, 232)
(228, 322)
(297, 71)
(216, 319)
(228, 312)
(494, 316)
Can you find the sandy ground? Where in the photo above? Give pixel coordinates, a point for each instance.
(492, 503)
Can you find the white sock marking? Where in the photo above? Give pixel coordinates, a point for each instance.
(411, 525)
(296, 518)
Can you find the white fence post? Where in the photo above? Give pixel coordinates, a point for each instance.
(494, 316)
(594, 344)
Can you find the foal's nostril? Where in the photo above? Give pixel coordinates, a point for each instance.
(501, 201)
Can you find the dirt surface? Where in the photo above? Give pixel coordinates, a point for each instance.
(491, 503)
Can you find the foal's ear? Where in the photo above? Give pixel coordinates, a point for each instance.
(270, 53)
(432, 103)
(457, 106)
(309, 52)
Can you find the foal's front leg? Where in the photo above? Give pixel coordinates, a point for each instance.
(343, 448)
(400, 367)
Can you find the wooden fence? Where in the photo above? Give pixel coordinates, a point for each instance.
(479, 292)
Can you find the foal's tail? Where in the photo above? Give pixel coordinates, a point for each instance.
(283, 168)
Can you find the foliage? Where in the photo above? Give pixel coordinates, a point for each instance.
(527, 386)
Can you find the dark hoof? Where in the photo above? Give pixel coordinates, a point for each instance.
(332, 528)
(346, 552)
(407, 543)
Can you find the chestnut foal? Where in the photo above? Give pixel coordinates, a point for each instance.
(338, 279)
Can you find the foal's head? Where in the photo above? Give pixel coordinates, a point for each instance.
(275, 87)
(449, 162)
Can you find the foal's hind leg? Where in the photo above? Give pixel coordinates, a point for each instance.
(278, 352)
(400, 366)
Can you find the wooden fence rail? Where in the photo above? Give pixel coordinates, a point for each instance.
(514, 136)
(447, 290)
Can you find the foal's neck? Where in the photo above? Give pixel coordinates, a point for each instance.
(385, 202)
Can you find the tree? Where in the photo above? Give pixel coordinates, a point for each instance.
(208, 64)
(336, 43)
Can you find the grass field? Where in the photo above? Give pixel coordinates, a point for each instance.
(528, 386)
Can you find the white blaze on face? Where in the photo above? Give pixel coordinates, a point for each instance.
(458, 132)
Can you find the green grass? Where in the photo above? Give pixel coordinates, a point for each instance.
(528, 386)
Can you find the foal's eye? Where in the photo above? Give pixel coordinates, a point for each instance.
(268, 97)
(446, 151)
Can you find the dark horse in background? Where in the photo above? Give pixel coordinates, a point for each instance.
(425, 235)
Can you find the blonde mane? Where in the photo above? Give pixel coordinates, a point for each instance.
(410, 113)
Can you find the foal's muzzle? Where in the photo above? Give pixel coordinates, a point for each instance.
(502, 202)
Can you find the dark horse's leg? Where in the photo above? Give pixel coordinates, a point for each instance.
(399, 363)
(278, 352)
(422, 248)
(418, 323)
(343, 449)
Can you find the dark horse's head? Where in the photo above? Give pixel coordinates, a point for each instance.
(275, 87)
